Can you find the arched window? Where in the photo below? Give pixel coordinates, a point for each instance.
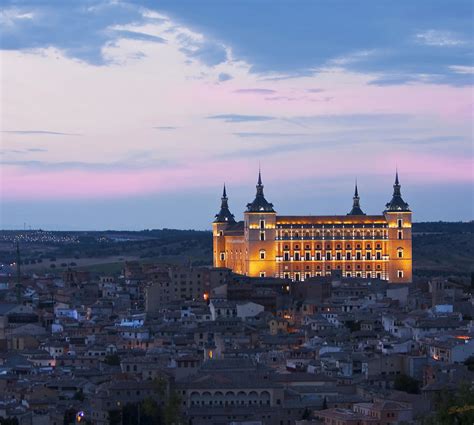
(400, 253)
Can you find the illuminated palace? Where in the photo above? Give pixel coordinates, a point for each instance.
(299, 247)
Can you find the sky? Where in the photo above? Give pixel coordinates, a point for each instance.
(132, 115)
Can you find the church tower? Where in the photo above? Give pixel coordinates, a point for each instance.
(259, 235)
(223, 219)
(399, 219)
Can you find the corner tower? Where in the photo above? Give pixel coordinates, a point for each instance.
(223, 219)
(399, 219)
(259, 235)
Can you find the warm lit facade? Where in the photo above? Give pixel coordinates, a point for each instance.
(300, 247)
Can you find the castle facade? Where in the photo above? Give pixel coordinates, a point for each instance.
(265, 244)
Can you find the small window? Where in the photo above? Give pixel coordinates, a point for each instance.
(262, 254)
(348, 255)
(262, 236)
(262, 224)
(358, 256)
(328, 255)
(400, 252)
(378, 255)
(368, 255)
(297, 256)
(318, 256)
(307, 256)
(400, 274)
(286, 256)
(400, 234)
(400, 223)
(286, 275)
(379, 275)
(262, 274)
(297, 277)
(222, 256)
(307, 275)
(338, 255)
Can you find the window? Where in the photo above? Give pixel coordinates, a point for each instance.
(400, 223)
(348, 274)
(262, 274)
(307, 256)
(368, 255)
(297, 256)
(378, 255)
(400, 252)
(222, 256)
(262, 224)
(286, 256)
(297, 277)
(338, 255)
(379, 275)
(400, 273)
(307, 275)
(358, 256)
(318, 256)
(400, 234)
(286, 275)
(369, 274)
(262, 254)
(348, 255)
(328, 255)
(262, 236)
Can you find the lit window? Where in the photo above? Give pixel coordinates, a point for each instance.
(286, 256)
(262, 274)
(262, 254)
(400, 273)
(400, 252)
(222, 256)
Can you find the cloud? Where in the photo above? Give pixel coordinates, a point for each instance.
(134, 35)
(165, 127)
(315, 90)
(255, 91)
(240, 118)
(460, 69)
(40, 132)
(249, 134)
(438, 38)
(37, 150)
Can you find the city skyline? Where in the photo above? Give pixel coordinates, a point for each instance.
(140, 119)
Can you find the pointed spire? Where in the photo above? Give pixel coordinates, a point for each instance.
(224, 215)
(260, 203)
(397, 203)
(356, 210)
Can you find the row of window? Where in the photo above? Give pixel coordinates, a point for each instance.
(297, 276)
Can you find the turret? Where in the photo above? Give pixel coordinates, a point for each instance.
(222, 220)
(356, 210)
(259, 235)
(399, 219)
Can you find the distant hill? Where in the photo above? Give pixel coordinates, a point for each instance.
(439, 248)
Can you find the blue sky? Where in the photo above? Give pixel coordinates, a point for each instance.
(156, 103)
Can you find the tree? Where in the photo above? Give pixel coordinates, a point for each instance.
(470, 363)
(407, 383)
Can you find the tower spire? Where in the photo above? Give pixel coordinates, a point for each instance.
(356, 210)
(224, 215)
(397, 203)
(260, 203)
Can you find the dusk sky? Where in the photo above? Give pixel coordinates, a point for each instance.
(132, 115)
